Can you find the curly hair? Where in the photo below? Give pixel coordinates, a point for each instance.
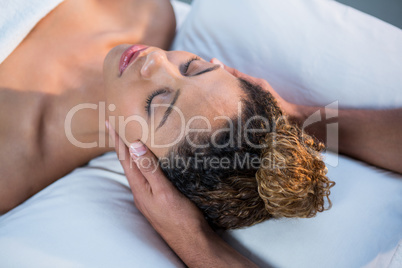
(274, 172)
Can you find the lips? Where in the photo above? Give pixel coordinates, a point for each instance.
(129, 56)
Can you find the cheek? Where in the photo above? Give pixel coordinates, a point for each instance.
(165, 138)
(130, 125)
(160, 143)
(127, 97)
(168, 136)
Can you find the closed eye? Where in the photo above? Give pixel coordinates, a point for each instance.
(186, 66)
(151, 97)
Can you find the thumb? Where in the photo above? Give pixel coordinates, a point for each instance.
(231, 70)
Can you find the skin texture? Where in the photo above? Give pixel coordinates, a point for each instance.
(208, 95)
(372, 136)
(58, 66)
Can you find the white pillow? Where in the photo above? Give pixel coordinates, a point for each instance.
(311, 51)
(181, 11)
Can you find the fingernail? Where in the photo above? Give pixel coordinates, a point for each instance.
(216, 61)
(107, 124)
(137, 149)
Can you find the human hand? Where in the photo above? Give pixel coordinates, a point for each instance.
(171, 214)
(291, 109)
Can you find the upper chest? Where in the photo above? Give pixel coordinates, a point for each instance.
(66, 49)
(59, 64)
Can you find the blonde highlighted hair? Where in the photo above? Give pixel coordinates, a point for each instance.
(289, 181)
(296, 185)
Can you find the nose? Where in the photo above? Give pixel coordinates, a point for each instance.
(155, 60)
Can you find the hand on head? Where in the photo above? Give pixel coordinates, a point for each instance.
(289, 108)
(169, 212)
(173, 216)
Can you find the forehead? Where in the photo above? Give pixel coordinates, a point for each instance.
(203, 104)
(214, 94)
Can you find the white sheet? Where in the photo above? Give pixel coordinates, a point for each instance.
(86, 219)
(17, 18)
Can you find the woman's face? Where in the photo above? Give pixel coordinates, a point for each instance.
(163, 95)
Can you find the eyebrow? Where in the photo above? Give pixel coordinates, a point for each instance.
(213, 68)
(169, 110)
(176, 96)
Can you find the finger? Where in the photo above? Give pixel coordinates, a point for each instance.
(231, 70)
(218, 62)
(120, 147)
(149, 166)
(136, 180)
(239, 74)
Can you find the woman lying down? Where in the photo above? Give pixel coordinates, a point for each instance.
(212, 146)
(223, 141)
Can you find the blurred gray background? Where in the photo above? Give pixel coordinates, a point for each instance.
(386, 10)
